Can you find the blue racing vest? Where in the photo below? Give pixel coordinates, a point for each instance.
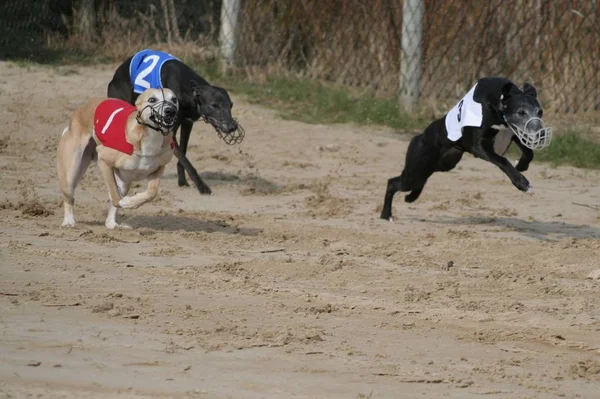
(144, 69)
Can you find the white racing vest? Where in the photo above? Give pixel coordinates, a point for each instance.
(467, 112)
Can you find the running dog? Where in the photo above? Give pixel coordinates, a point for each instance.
(491, 116)
(197, 100)
(129, 143)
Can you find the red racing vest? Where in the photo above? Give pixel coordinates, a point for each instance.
(110, 120)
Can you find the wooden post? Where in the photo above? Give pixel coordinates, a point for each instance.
(410, 63)
(228, 34)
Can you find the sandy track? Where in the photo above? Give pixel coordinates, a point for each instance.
(285, 282)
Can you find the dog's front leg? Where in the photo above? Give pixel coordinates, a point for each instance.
(526, 155)
(187, 165)
(111, 217)
(485, 150)
(140, 199)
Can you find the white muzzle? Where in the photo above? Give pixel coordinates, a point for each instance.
(537, 140)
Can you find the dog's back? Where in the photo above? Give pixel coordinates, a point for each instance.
(81, 123)
(120, 86)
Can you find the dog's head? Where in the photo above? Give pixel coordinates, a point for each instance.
(215, 107)
(157, 109)
(523, 114)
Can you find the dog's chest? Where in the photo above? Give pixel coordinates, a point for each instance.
(502, 140)
(140, 167)
(155, 152)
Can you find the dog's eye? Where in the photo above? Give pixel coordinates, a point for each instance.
(214, 105)
(152, 100)
(540, 113)
(521, 112)
(174, 100)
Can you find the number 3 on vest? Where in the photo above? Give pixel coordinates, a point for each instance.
(460, 104)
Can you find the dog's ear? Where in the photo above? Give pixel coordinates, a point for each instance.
(201, 92)
(529, 90)
(196, 88)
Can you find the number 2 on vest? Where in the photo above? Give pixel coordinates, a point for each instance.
(139, 80)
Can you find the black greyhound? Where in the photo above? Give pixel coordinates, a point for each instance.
(197, 100)
(484, 123)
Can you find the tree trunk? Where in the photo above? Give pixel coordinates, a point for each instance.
(86, 24)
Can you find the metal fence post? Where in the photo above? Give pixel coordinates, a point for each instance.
(227, 35)
(410, 62)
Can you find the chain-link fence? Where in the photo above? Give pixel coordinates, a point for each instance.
(554, 44)
(419, 49)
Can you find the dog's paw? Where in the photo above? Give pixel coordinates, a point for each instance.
(127, 203)
(114, 225)
(522, 183)
(387, 217)
(68, 223)
(530, 191)
(205, 190)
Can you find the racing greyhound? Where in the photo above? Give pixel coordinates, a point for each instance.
(130, 143)
(492, 115)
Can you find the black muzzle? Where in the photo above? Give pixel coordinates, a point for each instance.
(233, 134)
(163, 116)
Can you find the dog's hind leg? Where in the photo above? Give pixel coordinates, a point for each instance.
(421, 160)
(393, 186)
(72, 162)
(184, 165)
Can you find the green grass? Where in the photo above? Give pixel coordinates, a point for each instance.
(571, 148)
(314, 102)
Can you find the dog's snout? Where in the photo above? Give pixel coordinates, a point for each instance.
(230, 127)
(170, 112)
(535, 125)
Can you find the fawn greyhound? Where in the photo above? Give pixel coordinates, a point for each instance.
(129, 143)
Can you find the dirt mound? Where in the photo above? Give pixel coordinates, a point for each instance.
(586, 369)
(30, 203)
